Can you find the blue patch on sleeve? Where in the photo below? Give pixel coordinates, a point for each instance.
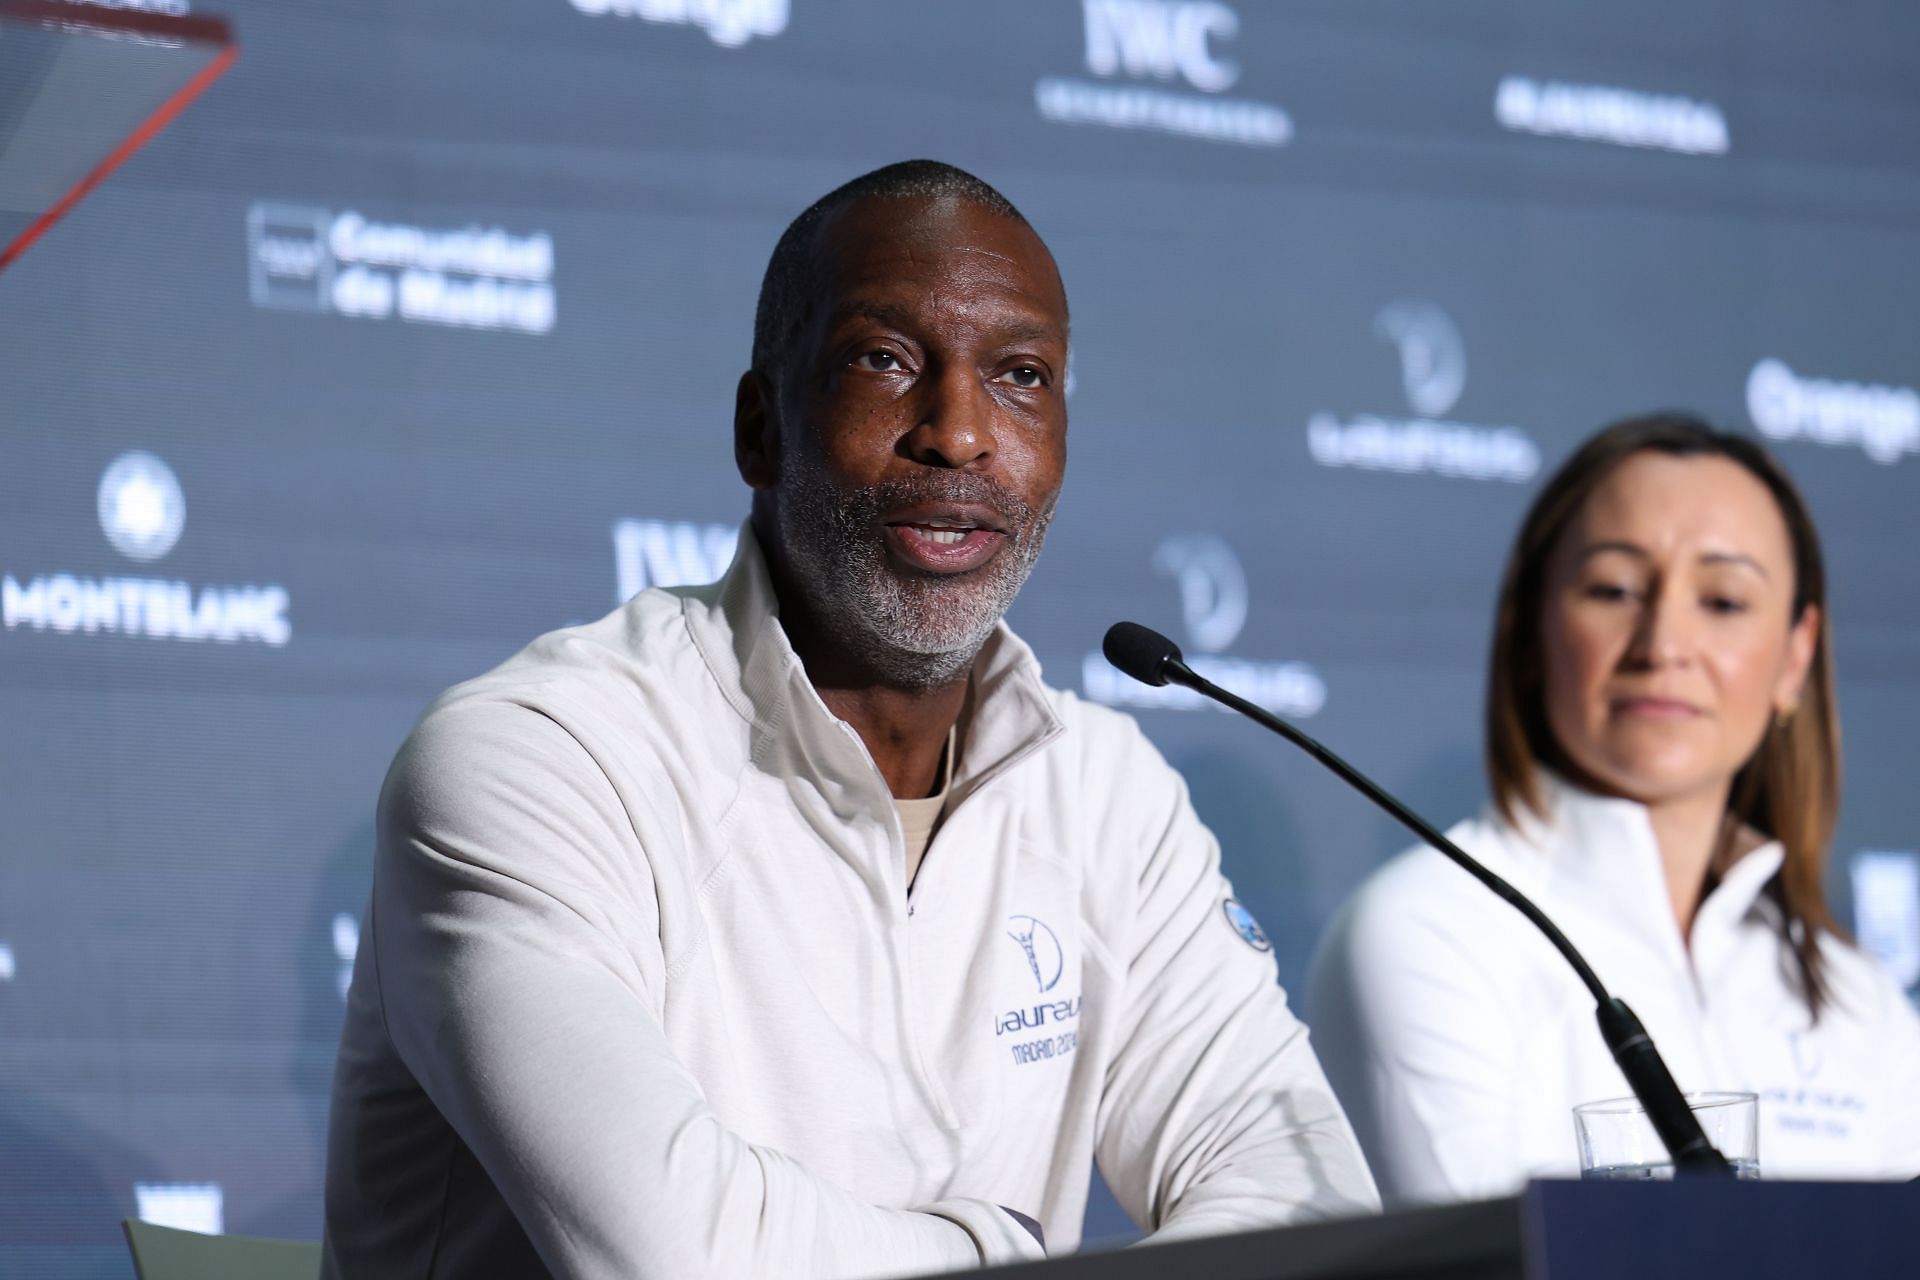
(1245, 925)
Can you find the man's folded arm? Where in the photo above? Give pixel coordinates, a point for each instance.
(529, 1018)
(1216, 1115)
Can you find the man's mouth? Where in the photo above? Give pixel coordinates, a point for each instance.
(944, 538)
(940, 534)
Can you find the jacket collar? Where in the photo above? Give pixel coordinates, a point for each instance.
(736, 628)
(1602, 850)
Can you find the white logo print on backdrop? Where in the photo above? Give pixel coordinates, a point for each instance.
(1214, 602)
(1433, 375)
(1213, 587)
(302, 258)
(1433, 356)
(669, 553)
(142, 511)
(1886, 910)
(728, 23)
(1882, 421)
(1606, 113)
(1165, 41)
(141, 507)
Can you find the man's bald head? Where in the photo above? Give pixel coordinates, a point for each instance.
(789, 282)
(904, 425)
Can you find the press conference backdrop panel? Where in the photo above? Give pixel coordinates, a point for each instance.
(416, 337)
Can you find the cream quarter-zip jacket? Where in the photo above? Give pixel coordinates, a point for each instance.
(642, 991)
(1460, 1041)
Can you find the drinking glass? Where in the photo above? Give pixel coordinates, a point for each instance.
(1617, 1141)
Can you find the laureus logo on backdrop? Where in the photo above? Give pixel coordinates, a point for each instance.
(1213, 605)
(1433, 374)
(303, 258)
(1886, 910)
(1173, 42)
(1605, 113)
(143, 512)
(728, 23)
(1881, 421)
(669, 553)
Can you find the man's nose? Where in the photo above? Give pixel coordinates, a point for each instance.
(953, 420)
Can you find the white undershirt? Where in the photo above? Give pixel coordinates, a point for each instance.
(919, 818)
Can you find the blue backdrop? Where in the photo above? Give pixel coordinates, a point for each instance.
(417, 335)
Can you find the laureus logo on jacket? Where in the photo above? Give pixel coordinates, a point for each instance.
(1041, 948)
(1046, 962)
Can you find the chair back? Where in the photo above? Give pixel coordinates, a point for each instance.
(166, 1253)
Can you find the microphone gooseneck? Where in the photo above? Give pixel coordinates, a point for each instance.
(1151, 658)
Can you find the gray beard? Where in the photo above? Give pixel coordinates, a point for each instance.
(913, 631)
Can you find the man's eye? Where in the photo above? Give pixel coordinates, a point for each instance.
(877, 361)
(1025, 376)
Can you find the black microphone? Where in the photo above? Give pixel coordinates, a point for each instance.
(1151, 658)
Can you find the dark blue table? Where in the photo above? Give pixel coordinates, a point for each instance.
(1565, 1231)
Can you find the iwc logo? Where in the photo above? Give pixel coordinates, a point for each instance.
(1172, 42)
(669, 553)
(1245, 925)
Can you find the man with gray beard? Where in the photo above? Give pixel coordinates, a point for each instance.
(792, 925)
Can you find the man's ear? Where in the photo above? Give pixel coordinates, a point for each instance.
(756, 433)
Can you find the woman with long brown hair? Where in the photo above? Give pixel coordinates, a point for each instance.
(1663, 751)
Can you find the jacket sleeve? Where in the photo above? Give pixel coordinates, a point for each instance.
(1899, 1047)
(1215, 1116)
(521, 971)
(1411, 1027)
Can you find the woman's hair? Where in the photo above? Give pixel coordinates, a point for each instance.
(1790, 788)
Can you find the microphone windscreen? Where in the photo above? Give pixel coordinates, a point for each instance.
(1140, 652)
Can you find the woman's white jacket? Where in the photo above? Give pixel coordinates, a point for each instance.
(1459, 1041)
